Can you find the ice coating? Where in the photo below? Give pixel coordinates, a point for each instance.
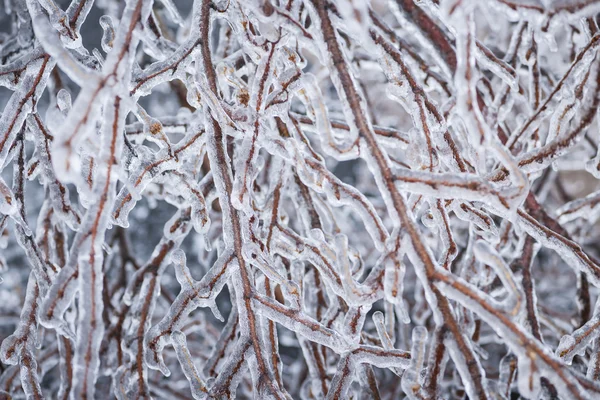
(299, 199)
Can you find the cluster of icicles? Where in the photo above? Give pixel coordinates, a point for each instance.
(299, 199)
